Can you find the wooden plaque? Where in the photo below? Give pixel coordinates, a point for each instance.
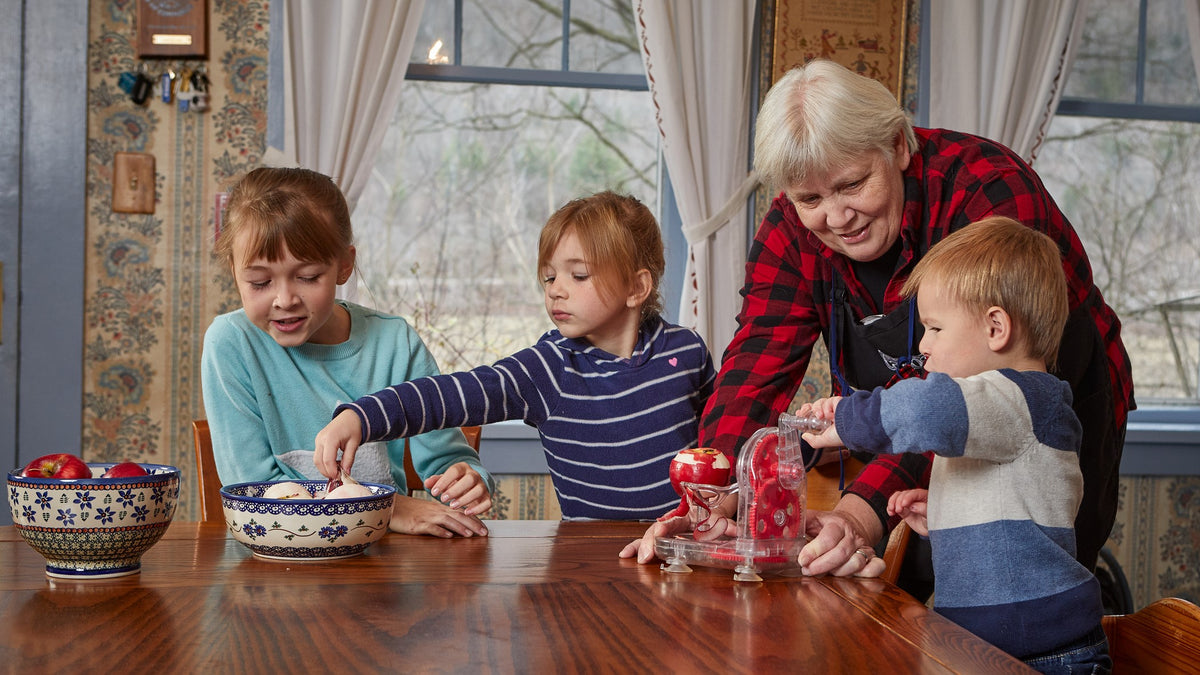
(133, 182)
(172, 29)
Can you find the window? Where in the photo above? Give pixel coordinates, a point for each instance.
(1122, 158)
(512, 108)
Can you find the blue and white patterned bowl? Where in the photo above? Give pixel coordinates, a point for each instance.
(306, 529)
(94, 528)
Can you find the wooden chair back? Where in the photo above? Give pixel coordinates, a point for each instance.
(1162, 637)
(207, 479)
(823, 493)
(413, 479)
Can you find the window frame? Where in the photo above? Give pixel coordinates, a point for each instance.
(1161, 439)
(512, 446)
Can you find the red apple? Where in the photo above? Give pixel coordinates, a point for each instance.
(58, 465)
(706, 466)
(125, 469)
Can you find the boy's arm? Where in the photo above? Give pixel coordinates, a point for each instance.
(912, 416)
(945, 415)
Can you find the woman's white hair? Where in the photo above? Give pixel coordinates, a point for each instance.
(821, 116)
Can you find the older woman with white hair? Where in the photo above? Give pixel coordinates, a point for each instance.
(863, 196)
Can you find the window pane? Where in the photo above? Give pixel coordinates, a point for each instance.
(435, 37)
(1128, 186)
(1105, 66)
(1170, 73)
(604, 38)
(467, 176)
(512, 34)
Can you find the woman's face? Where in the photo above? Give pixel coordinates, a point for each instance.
(856, 209)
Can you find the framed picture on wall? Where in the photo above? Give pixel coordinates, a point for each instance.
(866, 36)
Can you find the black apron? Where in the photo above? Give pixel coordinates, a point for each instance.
(875, 352)
(879, 351)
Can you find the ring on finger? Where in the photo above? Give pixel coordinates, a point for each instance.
(865, 556)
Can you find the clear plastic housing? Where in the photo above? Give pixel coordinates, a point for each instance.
(771, 492)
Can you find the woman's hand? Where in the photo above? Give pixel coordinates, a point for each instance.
(842, 541)
(344, 433)
(461, 487)
(419, 516)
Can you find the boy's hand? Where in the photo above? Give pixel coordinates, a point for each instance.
(461, 487)
(822, 408)
(420, 516)
(344, 433)
(912, 506)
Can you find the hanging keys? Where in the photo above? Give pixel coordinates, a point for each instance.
(199, 83)
(185, 93)
(139, 85)
(167, 85)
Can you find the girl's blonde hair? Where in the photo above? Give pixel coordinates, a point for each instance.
(299, 209)
(821, 116)
(999, 262)
(618, 235)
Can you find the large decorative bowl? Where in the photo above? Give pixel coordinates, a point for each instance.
(94, 528)
(306, 529)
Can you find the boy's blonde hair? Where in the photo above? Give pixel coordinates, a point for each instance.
(1000, 262)
(821, 116)
(618, 235)
(299, 209)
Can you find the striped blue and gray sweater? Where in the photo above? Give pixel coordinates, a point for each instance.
(609, 426)
(1003, 495)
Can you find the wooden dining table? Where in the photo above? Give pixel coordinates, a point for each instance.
(533, 597)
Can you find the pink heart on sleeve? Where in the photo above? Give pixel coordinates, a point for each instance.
(673, 361)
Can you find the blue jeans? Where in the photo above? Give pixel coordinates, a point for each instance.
(1086, 656)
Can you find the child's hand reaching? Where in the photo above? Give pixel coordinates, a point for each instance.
(344, 433)
(461, 487)
(911, 506)
(822, 408)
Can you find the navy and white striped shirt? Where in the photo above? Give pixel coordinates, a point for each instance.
(609, 426)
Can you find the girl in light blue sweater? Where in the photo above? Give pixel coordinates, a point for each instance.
(272, 370)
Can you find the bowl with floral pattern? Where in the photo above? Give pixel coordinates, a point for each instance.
(298, 528)
(94, 528)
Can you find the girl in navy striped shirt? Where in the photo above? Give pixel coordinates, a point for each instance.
(615, 392)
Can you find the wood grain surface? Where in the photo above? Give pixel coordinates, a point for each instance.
(534, 596)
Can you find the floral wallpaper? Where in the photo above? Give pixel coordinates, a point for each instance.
(153, 288)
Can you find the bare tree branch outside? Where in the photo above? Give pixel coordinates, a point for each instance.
(469, 173)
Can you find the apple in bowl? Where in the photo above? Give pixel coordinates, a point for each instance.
(126, 469)
(93, 527)
(57, 465)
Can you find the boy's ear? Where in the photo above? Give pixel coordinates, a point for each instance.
(346, 266)
(1000, 328)
(643, 283)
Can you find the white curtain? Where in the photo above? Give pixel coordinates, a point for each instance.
(997, 67)
(1192, 10)
(344, 63)
(697, 56)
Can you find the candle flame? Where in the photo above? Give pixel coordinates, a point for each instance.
(434, 54)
